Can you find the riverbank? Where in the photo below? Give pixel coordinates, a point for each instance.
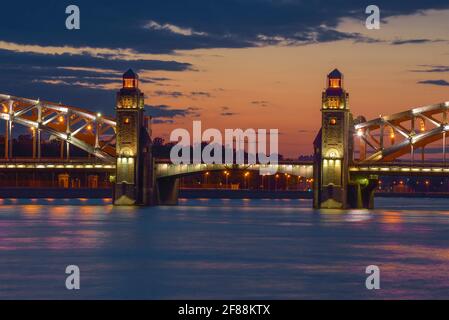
(39, 193)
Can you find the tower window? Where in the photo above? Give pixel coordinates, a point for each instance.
(126, 121)
(333, 121)
(334, 102)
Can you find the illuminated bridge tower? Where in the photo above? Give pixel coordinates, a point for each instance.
(334, 188)
(333, 147)
(134, 174)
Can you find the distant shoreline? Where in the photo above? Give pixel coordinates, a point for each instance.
(40, 193)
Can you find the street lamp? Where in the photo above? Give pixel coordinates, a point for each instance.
(276, 182)
(245, 179)
(227, 176)
(205, 178)
(33, 131)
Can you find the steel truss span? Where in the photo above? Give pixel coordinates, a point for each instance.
(89, 131)
(95, 133)
(410, 126)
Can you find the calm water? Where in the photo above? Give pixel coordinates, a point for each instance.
(223, 249)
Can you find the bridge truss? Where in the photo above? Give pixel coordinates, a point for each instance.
(407, 131)
(381, 140)
(91, 132)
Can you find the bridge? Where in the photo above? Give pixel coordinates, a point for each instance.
(120, 148)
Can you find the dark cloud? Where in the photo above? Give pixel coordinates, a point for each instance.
(178, 94)
(432, 68)
(164, 26)
(226, 112)
(435, 82)
(81, 80)
(200, 94)
(171, 94)
(414, 41)
(165, 111)
(29, 59)
(162, 121)
(260, 103)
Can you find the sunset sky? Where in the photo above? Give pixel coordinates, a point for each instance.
(231, 64)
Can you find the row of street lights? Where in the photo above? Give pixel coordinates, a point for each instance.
(246, 176)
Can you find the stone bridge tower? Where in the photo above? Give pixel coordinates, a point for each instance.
(134, 181)
(334, 187)
(333, 146)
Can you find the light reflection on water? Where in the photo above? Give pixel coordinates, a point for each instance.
(223, 249)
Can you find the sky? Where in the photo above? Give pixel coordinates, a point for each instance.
(229, 63)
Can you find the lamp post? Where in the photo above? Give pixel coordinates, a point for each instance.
(276, 182)
(33, 131)
(226, 173)
(206, 175)
(246, 179)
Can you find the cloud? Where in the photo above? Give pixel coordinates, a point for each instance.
(165, 111)
(260, 103)
(414, 41)
(171, 94)
(162, 121)
(188, 32)
(435, 82)
(178, 94)
(80, 79)
(184, 25)
(200, 94)
(225, 112)
(432, 68)
(85, 60)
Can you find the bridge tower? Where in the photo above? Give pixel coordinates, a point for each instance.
(333, 146)
(134, 179)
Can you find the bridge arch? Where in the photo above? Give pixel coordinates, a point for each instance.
(91, 132)
(410, 125)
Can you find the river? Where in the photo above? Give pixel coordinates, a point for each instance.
(223, 249)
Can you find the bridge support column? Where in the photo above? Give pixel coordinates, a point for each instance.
(167, 191)
(134, 180)
(361, 192)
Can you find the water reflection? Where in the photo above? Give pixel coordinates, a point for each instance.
(223, 249)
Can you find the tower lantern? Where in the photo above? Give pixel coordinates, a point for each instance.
(335, 80)
(130, 80)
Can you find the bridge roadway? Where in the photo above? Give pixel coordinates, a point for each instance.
(164, 168)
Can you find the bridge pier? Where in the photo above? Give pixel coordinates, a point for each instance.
(167, 191)
(361, 192)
